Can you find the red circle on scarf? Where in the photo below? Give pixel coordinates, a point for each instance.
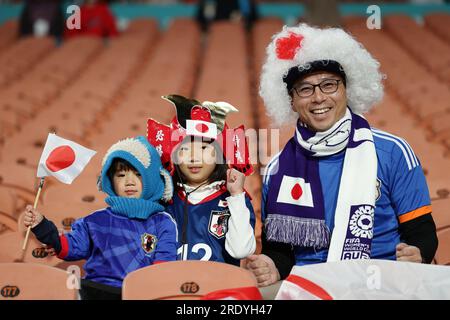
(296, 191)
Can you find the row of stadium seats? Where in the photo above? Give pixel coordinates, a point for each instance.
(21, 57)
(426, 47)
(187, 280)
(439, 24)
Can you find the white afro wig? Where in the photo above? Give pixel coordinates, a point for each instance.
(300, 46)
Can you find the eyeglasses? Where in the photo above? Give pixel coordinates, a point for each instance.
(327, 86)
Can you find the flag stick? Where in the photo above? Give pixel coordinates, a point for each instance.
(41, 183)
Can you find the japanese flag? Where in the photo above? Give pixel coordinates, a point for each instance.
(201, 128)
(299, 288)
(295, 191)
(63, 159)
(366, 280)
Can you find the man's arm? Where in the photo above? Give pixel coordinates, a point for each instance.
(421, 233)
(273, 264)
(282, 254)
(411, 200)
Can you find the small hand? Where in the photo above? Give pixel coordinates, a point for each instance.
(405, 252)
(32, 217)
(235, 181)
(264, 269)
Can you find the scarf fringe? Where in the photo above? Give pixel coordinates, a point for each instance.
(297, 231)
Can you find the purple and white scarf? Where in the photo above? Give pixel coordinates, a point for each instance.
(295, 203)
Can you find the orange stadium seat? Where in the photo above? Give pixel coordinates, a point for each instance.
(11, 251)
(8, 34)
(8, 209)
(140, 26)
(439, 23)
(23, 150)
(432, 51)
(446, 142)
(430, 154)
(22, 56)
(7, 222)
(7, 200)
(22, 179)
(439, 126)
(9, 123)
(187, 280)
(424, 94)
(14, 99)
(29, 281)
(20, 197)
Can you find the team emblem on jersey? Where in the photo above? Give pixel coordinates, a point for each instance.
(218, 223)
(148, 242)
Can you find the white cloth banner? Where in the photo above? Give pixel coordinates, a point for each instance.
(366, 280)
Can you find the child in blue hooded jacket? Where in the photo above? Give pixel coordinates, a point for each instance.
(133, 232)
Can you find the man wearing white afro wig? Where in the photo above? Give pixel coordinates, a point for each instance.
(300, 50)
(339, 189)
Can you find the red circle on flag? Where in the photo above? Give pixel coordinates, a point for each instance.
(296, 191)
(60, 158)
(201, 127)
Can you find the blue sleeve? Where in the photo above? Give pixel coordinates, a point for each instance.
(166, 249)
(409, 191)
(76, 245)
(264, 189)
(271, 169)
(249, 205)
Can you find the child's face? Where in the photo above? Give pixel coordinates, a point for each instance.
(197, 161)
(127, 183)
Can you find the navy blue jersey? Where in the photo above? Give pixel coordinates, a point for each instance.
(402, 195)
(206, 227)
(114, 245)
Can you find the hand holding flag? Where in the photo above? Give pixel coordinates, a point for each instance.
(62, 159)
